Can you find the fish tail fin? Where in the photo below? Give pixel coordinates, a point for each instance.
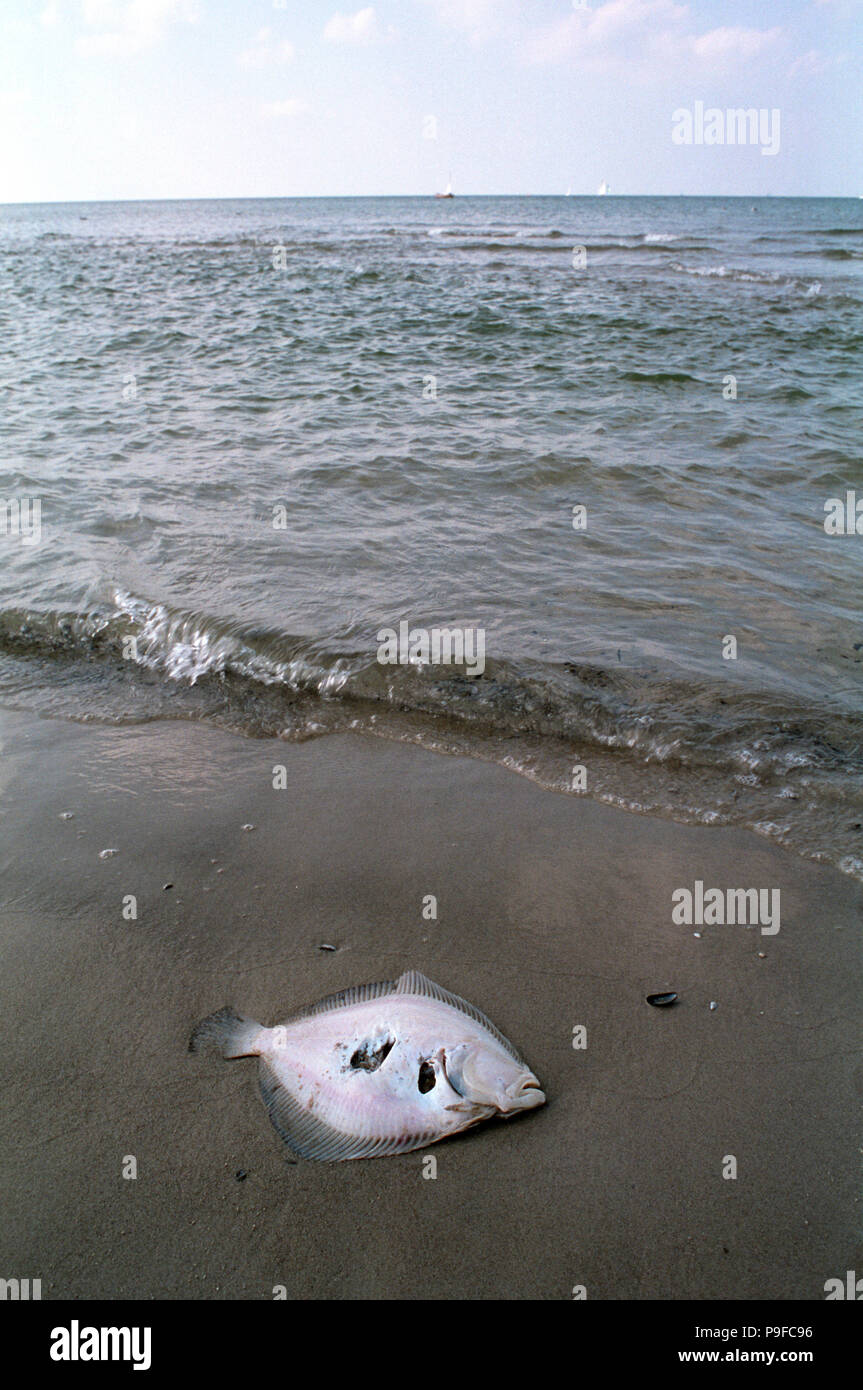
(229, 1032)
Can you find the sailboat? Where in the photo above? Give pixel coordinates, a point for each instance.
(447, 193)
(603, 188)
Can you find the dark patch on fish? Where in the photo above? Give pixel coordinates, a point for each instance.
(372, 1055)
(427, 1079)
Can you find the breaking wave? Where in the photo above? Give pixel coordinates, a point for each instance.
(693, 750)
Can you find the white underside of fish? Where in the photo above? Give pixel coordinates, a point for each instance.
(378, 1069)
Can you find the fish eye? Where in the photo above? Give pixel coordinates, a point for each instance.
(427, 1079)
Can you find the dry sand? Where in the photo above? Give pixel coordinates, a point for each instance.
(552, 912)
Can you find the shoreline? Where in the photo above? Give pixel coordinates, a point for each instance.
(553, 913)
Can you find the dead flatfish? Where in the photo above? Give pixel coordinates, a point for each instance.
(378, 1069)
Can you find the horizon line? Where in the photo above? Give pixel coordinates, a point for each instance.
(425, 197)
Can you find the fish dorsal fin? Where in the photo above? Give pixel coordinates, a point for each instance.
(414, 982)
(358, 994)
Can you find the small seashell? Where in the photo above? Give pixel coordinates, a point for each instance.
(247, 827)
(108, 853)
(662, 1001)
(67, 815)
(713, 1004)
(166, 886)
(241, 1174)
(325, 946)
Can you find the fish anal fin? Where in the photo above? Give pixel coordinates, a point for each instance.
(312, 1137)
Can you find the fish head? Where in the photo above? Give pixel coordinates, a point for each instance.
(488, 1076)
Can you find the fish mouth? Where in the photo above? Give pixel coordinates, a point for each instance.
(527, 1094)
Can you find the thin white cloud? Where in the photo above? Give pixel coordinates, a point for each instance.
(125, 27)
(291, 106)
(266, 51)
(639, 33)
(358, 28)
(12, 98)
(722, 45)
(813, 63)
(478, 20)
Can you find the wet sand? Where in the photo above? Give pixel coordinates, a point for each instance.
(553, 912)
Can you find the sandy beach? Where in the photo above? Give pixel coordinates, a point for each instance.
(553, 912)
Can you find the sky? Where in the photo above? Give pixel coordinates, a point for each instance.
(116, 99)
